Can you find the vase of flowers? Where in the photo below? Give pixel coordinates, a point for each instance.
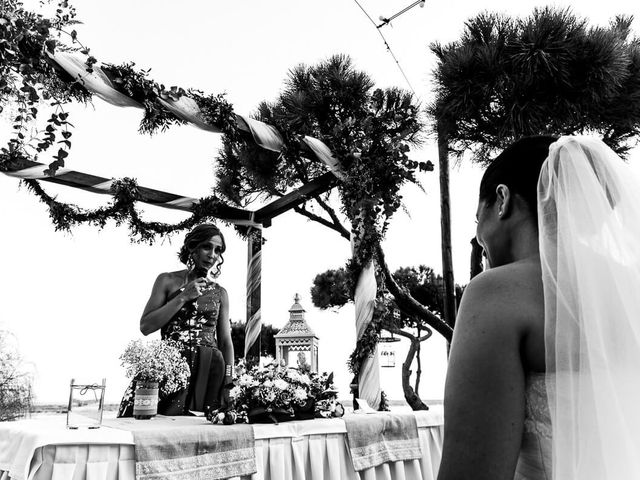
(157, 369)
(276, 394)
(145, 401)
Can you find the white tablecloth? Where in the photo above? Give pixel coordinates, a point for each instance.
(311, 449)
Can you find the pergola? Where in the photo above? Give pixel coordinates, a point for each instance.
(265, 136)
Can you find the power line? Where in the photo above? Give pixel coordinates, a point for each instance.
(387, 43)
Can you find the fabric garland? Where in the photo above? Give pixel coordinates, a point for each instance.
(369, 375)
(254, 278)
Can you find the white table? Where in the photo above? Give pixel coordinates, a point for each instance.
(311, 449)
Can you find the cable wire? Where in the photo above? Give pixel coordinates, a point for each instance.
(387, 44)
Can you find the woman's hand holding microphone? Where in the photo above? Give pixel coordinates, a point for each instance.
(195, 289)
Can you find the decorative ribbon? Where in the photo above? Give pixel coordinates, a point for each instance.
(254, 274)
(365, 297)
(96, 82)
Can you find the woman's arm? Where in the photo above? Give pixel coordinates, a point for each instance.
(484, 392)
(158, 311)
(224, 332)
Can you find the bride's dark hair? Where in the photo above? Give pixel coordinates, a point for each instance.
(196, 236)
(518, 167)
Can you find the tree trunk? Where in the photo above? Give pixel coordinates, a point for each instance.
(410, 395)
(409, 305)
(445, 229)
(418, 367)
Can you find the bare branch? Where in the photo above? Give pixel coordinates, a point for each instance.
(332, 213)
(408, 304)
(322, 221)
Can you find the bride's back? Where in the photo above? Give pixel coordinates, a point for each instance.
(524, 291)
(498, 342)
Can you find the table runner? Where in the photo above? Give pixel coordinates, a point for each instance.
(378, 438)
(203, 450)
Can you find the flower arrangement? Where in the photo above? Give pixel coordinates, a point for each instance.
(156, 361)
(275, 392)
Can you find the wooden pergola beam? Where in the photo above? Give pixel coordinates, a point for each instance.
(260, 217)
(316, 186)
(101, 185)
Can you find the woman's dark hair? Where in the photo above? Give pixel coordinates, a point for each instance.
(196, 236)
(518, 167)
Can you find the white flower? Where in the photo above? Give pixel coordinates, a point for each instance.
(304, 378)
(293, 375)
(270, 396)
(267, 384)
(245, 380)
(299, 394)
(234, 392)
(280, 384)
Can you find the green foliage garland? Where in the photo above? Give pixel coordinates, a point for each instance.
(29, 77)
(122, 209)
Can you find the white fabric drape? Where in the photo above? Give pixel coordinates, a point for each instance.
(308, 450)
(365, 297)
(589, 218)
(96, 82)
(185, 108)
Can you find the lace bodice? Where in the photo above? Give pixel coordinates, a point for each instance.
(534, 462)
(537, 419)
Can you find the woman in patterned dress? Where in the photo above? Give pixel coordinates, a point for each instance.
(189, 307)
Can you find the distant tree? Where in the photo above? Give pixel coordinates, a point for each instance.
(267, 340)
(547, 73)
(331, 290)
(15, 384)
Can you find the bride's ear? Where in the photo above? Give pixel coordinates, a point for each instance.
(503, 200)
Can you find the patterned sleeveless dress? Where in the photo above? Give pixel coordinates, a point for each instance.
(194, 328)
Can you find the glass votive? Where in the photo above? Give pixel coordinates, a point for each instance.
(86, 404)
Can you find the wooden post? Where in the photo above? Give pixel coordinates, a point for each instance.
(445, 229)
(253, 326)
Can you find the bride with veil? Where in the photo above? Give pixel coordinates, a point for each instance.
(544, 372)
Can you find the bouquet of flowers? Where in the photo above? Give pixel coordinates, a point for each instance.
(156, 361)
(275, 393)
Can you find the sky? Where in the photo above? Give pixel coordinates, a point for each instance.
(73, 300)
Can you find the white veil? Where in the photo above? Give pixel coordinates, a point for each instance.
(589, 224)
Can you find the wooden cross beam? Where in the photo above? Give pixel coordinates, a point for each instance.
(27, 169)
(96, 184)
(316, 186)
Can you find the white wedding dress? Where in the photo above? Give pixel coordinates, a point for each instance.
(534, 461)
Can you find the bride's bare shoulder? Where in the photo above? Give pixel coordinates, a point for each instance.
(510, 291)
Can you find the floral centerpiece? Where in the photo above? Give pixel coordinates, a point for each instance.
(277, 393)
(157, 361)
